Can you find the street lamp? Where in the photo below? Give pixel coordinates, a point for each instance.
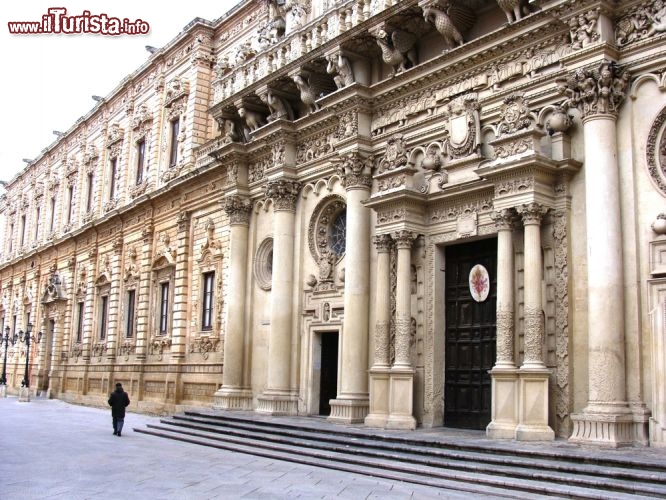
(28, 338)
(6, 338)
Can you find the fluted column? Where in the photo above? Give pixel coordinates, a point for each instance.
(607, 418)
(533, 374)
(233, 395)
(401, 398)
(351, 405)
(278, 398)
(504, 375)
(379, 373)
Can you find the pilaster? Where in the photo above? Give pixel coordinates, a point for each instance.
(180, 297)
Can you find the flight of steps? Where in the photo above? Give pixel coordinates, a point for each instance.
(474, 465)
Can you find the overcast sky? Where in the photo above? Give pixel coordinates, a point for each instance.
(48, 80)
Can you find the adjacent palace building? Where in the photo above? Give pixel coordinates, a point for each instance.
(394, 213)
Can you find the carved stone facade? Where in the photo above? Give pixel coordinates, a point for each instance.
(206, 230)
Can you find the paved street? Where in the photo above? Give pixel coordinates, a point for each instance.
(54, 450)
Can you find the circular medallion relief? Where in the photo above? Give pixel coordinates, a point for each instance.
(656, 152)
(327, 233)
(479, 283)
(263, 264)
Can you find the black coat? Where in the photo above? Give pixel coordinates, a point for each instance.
(118, 401)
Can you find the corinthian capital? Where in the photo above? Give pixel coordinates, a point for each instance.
(355, 170)
(403, 238)
(532, 213)
(284, 193)
(504, 219)
(595, 91)
(383, 243)
(238, 209)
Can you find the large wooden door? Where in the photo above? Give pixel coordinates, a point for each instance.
(470, 336)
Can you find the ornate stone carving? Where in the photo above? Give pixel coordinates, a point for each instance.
(315, 147)
(383, 243)
(157, 346)
(534, 329)
(284, 193)
(280, 109)
(127, 348)
(562, 389)
(253, 119)
(396, 154)
(584, 30)
(642, 22)
(204, 345)
(403, 238)
(595, 90)
(142, 116)
(514, 9)
(183, 220)
(347, 125)
(504, 320)
(355, 170)
(504, 219)
(463, 134)
(514, 115)
(308, 91)
(339, 66)
(532, 213)
(398, 49)
(403, 328)
(263, 264)
(212, 245)
(656, 152)
(131, 271)
(238, 209)
(321, 225)
(444, 25)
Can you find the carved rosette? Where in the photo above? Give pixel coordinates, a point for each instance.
(595, 91)
(238, 209)
(356, 171)
(383, 243)
(504, 219)
(533, 335)
(504, 336)
(396, 155)
(284, 194)
(532, 213)
(514, 115)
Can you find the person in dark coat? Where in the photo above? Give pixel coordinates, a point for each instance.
(118, 401)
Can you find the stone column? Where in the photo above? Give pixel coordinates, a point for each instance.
(607, 418)
(533, 374)
(113, 331)
(351, 404)
(504, 375)
(279, 398)
(379, 373)
(233, 395)
(401, 390)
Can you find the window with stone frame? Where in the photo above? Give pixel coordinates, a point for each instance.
(113, 171)
(163, 291)
(53, 214)
(130, 313)
(103, 313)
(174, 127)
(140, 160)
(23, 226)
(89, 195)
(80, 316)
(207, 300)
(209, 289)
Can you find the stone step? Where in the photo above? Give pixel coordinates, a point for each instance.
(617, 478)
(478, 484)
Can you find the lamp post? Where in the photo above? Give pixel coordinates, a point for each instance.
(6, 338)
(28, 338)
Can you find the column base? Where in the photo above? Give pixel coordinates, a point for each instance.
(533, 406)
(24, 395)
(379, 398)
(349, 410)
(657, 434)
(3, 391)
(611, 425)
(276, 403)
(641, 415)
(231, 398)
(401, 399)
(504, 403)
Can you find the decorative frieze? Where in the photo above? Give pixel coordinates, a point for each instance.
(584, 29)
(642, 22)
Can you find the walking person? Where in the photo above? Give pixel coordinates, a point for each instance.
(118, 401)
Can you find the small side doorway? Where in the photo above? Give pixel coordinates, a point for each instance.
(328, 383)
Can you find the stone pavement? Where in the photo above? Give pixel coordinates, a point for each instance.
(54, 450)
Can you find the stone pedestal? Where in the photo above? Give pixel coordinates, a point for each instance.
(379, 397)
(401, 400)
(533, 411)
(24, 395)
(504, 410)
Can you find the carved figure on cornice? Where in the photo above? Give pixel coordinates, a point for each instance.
(176, 88)
(141, 116)
(348, 125)
(398, 49)
(211, 244)
(307, 93)
(341, 69)
(229, 131)
(298, 11)
(583, 30)
(276, 19)
(642, 22)
(165, 248)
(592, 91)
(244, 52)
(396, 154)
(444, 25)
(658, 18)
(115, 134)
(131, 269)
(514, 115)
(253, 120)
(464, 126)
(514, 9)
(90, 155)
(279, 107)
(284, 193)
(222, 67)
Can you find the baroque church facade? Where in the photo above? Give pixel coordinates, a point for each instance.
(391, 213)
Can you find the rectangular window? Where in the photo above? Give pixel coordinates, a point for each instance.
(207, 310)
(22, 230)
(164, 307)
(70, 203)
(53, 207)
(129, 327)
(89, 199)
(140, 159)
(79, 323)
(112, 180)
(173, 151)
(103, 317)
(14, 324)
(11, 238)
(38, 213)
